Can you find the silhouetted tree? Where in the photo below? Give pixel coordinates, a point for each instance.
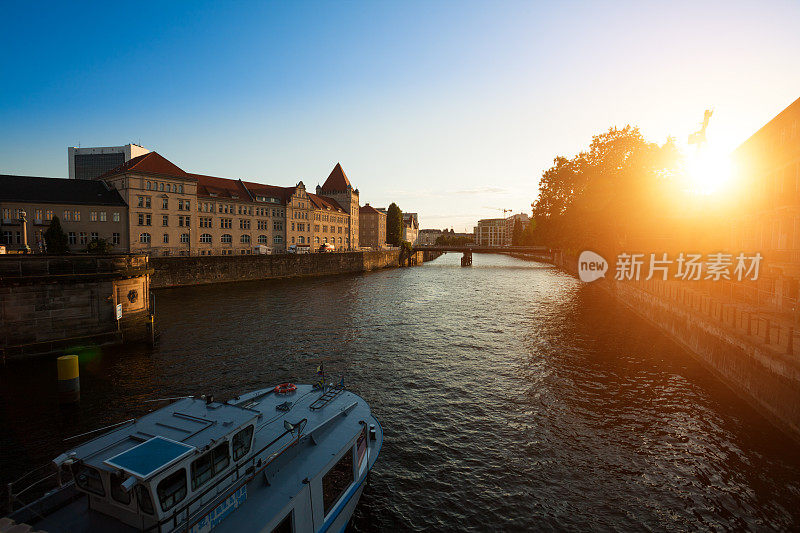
(98, 246)
(516, 234)
(55, 238)
(394, 225)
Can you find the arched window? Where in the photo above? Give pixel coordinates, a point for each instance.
(166, 238)
(340, 240)
(184, 238)
(263, 239)
(302, 239)
(144, 238)
(205, 237)
(245, 239)
(226, 238)
(277, 239)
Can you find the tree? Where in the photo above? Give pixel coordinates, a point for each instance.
(394, 225)
(516, 234)
(98, 246)
(55, 238)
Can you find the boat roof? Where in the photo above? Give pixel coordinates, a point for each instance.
(161, 438)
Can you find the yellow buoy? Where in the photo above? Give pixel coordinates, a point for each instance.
(69, 385)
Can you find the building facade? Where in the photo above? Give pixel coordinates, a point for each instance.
(89, 163)
(768, 213)
(510, 222)
(427, 237)
(87, 210)
(410, 228)
(372, 227)
(339, 189)
(490, 232)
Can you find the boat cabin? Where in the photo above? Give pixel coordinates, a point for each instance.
(158, 470)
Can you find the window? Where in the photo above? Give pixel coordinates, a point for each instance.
(115, 238)
(263, 239)
(336, 480)
(145, 219)
(144, 499)
(209, 465)
(241, 442)
(116, 217)
(94, 236)
(205, 222)
(117, 492)
(166, 238)
(226, 238)
(88, 479)
(144, 201)
(277, 225)
(245, 239)
(225, 223)
(184, 220)
(277, 239)
(82, 237)
(165, 220)
(184, 238)
(205, 237)
(149, 185)
(67, 215)
(38, 216)
(160, 186)
(71, 236)
(244, 223)
(76, 216)
(172, 489)
(102, 216)
(93, 216)
(144, 238)
(48, 214)
(165, 203)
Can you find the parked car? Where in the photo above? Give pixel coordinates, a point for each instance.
(262, 250)
(326, 248)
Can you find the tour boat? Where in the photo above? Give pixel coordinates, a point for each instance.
(288, 458)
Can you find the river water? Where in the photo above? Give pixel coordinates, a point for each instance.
(512, 398)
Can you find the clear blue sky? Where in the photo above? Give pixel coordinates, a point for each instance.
(451, 109)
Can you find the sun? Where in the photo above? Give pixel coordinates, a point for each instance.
(709, 171)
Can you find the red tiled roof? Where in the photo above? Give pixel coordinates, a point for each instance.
(220, 187)
(369, 209)
(323, 202)
(337, 180)
(270, 191)
(149, 163)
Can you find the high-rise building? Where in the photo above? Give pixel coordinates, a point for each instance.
(490, 232)
(89, 163)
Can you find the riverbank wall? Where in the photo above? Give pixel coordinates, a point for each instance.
(51, 304)
(753, 354)
(202, 270)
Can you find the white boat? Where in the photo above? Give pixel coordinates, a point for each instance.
(283, 459)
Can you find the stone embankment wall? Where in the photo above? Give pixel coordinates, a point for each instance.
(48, 303)
(201, 270)
(755, 355)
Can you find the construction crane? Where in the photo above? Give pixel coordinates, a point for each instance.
(699, 137)
(503, 210)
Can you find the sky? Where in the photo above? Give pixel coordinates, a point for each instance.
(450, 109)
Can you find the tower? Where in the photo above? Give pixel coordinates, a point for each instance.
(338, 187)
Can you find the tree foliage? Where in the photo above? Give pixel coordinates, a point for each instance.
(98, 246)
(394, 225)
(516, 233)
(55, 238)
(606, 197)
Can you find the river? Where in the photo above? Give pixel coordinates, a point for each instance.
(512, 396)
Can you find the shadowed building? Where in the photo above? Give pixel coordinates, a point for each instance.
(86, 209)
(490, 232)
(372, 227)
(768, 219)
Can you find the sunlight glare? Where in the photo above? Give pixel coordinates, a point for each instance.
(709, 171)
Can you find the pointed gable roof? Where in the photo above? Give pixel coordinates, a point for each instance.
(149, 163)
(368, 209)
(337, 180)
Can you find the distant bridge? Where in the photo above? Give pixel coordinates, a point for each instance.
(541, 253)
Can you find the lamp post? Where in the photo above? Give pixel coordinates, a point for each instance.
(22, 218)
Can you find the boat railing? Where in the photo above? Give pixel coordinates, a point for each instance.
(43, 478)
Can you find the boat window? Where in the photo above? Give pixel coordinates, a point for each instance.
(222, 457)
(361, 445)
(172, 489)
(209, 465)
(144, 499)
(88, 478)
(336, 480)
(117, 492)
(285, 525)
(201, 470)
(241, 442)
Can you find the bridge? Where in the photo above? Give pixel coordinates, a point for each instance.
(540, 253)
